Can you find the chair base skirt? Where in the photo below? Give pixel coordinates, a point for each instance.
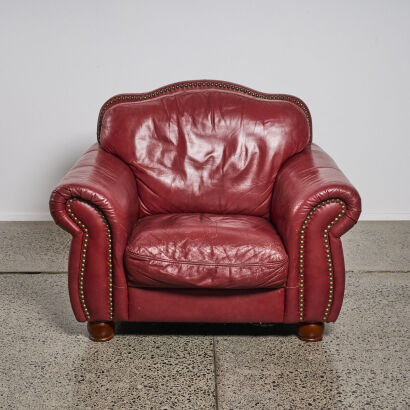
(206, 305)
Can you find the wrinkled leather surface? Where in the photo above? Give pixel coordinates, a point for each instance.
(106, 182)
(205, 251)
(221, 153)
(304, 181)
(205, 150)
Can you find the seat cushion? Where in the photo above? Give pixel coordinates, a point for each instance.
(205, 251)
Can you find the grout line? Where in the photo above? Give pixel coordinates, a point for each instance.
(215, 373)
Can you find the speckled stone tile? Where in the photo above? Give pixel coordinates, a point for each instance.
(33, 247)
(47, 362)
(362, 362)
(378, 246)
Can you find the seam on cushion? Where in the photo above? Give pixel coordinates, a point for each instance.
(206, 264)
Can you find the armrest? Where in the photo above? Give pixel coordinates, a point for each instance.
(304, 181)
(97, 203)
(313, 204)
(103, 180)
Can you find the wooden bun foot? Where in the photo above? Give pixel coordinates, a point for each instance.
(310, 332)
(100, 331)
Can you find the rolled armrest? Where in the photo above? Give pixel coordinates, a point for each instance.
(313, 204)
(97, 203)
(304, 181)
(103, 180)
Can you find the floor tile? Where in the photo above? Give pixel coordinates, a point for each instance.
(33, 246)
(46, 360)
(378, 246)
(362, 362)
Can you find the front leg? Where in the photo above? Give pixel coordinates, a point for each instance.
(100, 331)
(310, 332)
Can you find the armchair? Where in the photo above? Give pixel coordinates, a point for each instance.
(205, 201)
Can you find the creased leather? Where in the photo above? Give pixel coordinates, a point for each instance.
(205, 150)
(205, 251)
(205, 171)
(305, 180)
(106, 182)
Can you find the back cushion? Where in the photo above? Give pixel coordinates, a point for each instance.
(204, 149)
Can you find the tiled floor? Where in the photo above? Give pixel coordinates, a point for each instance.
(46, 360)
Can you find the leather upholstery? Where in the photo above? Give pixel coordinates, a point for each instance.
(314, 178)
(205, 251)
(205, 150)
(206, 305)
(106, 182)
(218, 178)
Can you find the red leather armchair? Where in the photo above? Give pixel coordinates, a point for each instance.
(205, 201)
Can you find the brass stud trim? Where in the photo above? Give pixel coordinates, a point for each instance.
(327, 252)
(209, 84)
(83, 257)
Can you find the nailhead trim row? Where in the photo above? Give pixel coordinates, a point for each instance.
(84, 256)
(327, 251)
(196, 84)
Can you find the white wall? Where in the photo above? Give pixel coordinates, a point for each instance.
(349, 61)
